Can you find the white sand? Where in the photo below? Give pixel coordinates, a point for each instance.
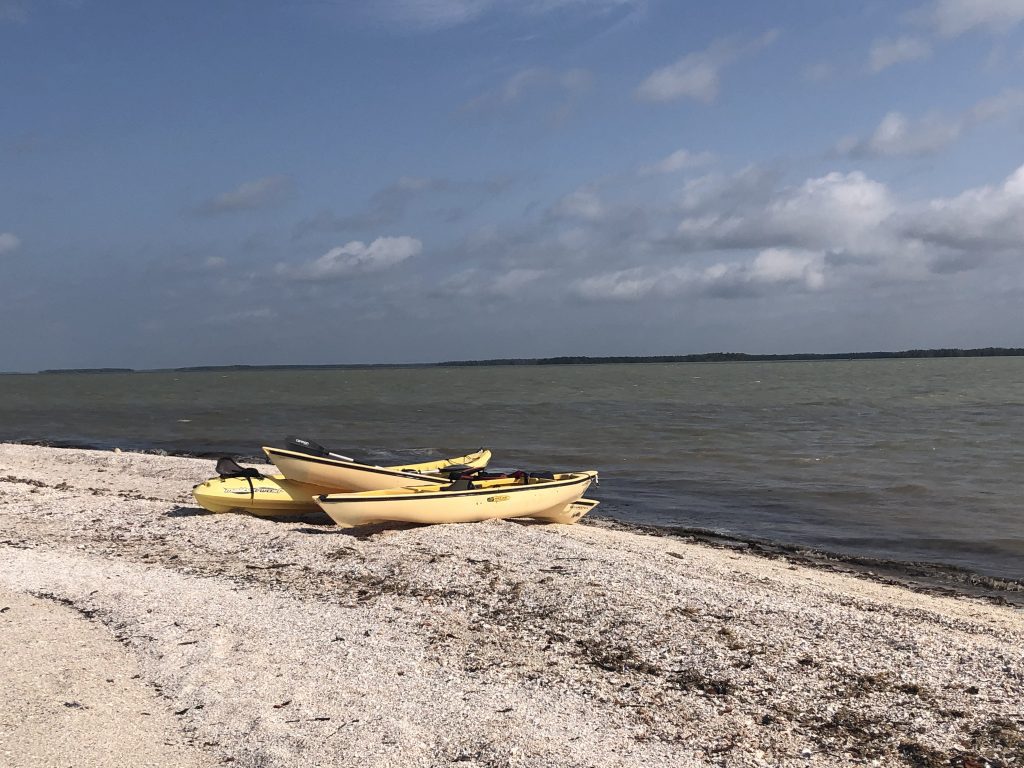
(497, 644)
(72, 696)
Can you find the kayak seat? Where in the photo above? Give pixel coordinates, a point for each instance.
(228, 467)
(461, 484)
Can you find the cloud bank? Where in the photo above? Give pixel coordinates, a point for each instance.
(745, 235)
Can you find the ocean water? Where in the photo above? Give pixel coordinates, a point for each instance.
(902, 459)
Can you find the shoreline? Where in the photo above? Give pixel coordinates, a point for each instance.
(275, 643)
(922, 575)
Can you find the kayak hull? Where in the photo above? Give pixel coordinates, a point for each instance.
(269, 496)
(499, 499)
(571, 513)
(347, 475)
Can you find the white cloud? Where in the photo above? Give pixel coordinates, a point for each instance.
(680, 160)
(697, 75)
(747, 235)
(633, 284)
(717, 192)
(886, 53)
(8, 243)
(355, 257)
(476, 282)
(898, 135)
(984, 219)
(694, 76)
(832, 212)
(248, 196)
(773, 268)
(834, 231)
(952, 18)
(785, 265)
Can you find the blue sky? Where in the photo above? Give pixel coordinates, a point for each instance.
(418, 180)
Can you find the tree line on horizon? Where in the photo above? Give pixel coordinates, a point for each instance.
(707, 357)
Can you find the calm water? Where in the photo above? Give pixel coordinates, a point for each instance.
(905, 459)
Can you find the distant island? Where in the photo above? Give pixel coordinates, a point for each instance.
(89, 370)
(708, 357)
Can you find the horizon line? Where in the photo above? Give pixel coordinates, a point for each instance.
(701, 357)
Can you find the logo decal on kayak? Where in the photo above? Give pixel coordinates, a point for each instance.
(497, 498)
(246, 491)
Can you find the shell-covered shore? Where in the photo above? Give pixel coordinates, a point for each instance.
(265, 643)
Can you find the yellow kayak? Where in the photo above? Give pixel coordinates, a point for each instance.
(275, 495)
(316, 466)
(555, 498)
(267, 496)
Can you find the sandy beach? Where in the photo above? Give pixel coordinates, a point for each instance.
(133, 623)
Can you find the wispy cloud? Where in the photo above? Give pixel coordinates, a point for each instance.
(390, 204)
(8, 243)
(680, 160)
(561, 88)
(1007, 102)
(385, 207)
(441, 14)
(952, 18)
(248, 196)
(354, 258)
(583, 204)
(887, 53)
(697, 75)
(819, 72)
(486, 283)
(241, 316)
(899, 135)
